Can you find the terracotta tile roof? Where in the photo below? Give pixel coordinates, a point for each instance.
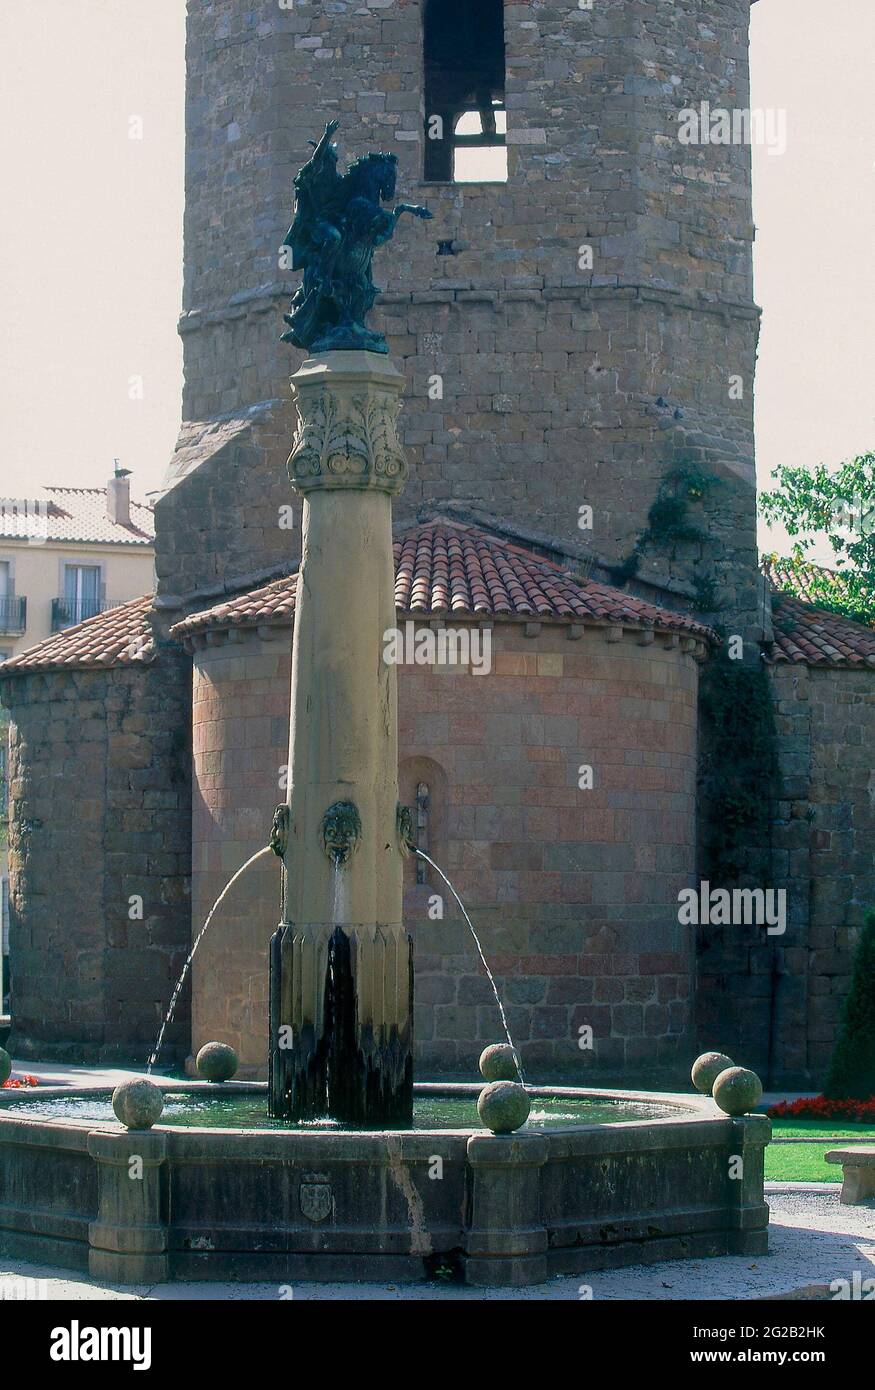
(806, 634)
(74, 514)
(781, 574)
(814, 637)
(118, 637)
(445, 569)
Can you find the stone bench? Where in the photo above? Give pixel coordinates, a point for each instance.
(858, 1171)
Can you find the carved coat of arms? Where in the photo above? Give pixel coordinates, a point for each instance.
(316, 1200)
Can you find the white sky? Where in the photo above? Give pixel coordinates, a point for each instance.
(91, 239)
(814, 208)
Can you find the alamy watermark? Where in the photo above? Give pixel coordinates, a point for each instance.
(78, 1343)
(854, 514)
(856, 1289)
(33, 512)
(715, 125)
(18, 1288)
(448, 646)
(722, 907)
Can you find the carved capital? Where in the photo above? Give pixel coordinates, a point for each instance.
(347, 425)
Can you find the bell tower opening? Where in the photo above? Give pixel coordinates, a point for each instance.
(465, 118)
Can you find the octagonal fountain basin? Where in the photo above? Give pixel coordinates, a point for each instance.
(216, 1190)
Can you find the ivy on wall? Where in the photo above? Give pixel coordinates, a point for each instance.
(740, 766)
(669, 524)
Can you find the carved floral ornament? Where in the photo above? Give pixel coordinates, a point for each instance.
(347, 440)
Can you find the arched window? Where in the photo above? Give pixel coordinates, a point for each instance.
(420, 818)
(422, 785)
(465, 119)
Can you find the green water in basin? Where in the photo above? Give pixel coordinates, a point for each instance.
(429, 1112)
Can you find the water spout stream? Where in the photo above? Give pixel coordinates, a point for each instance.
(485, 962)
(174, 998)
(339, 909)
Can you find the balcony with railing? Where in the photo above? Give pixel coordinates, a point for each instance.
(68, 612)
(13, 614)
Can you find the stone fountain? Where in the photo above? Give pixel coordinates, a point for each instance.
(341, 968)
(621, 1177)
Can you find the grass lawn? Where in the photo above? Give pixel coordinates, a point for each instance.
(805, 1162)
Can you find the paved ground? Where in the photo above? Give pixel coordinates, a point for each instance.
(814, 1240)
(62, 1074)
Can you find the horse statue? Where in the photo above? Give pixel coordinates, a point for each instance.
(338, 225)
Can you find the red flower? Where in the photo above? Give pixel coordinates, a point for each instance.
(822, 1108)
(18, 1082)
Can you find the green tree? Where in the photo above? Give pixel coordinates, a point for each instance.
(840, 505)
(852, 1070)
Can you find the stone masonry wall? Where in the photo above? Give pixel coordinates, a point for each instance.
(551, 373)
(99, 812)
(221, 521)
(842, 863)
(240, 739)
(783, 995)
(593, 154)
(574, 891)
(824, 837)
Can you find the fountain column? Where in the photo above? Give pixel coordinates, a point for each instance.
(341, 972)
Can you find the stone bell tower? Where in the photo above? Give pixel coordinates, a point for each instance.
(576, 328)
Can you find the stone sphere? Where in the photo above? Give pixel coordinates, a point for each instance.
(5, 1065)
(217, 1061)
(707, 1068)
(738, 1091)
(499, 1062)
(138, 1103)
(503, 1106)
